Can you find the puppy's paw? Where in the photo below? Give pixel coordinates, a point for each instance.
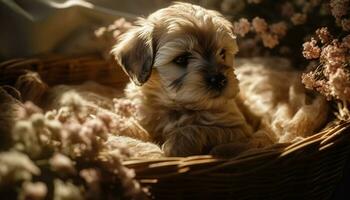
(182, 142)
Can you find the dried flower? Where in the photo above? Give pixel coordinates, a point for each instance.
(124, 107)
(339, 8)
(61, 163)
(28, 109)
(345, 23)
(269, 40)
(107, 36)
(84, 133)
(259, 25)
(15, 167)
(340, 82)
(119, 26)
(333, 55)
(34, 191)
(332, 77)
(311, 50)
(74, 103)
(346, 42)
(91, 176)
(298, 18)
(323, 34)
(114, 30)
(113, 162)
(279, 28)
(93, 179)
(308, 80)
(66, 191)
(24, 134)
(241, 27)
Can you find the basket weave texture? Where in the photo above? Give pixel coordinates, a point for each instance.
(308, 169)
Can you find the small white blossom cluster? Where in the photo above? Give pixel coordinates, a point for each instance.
(332, 76)
(67, 143)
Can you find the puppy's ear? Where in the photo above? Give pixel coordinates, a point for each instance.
(134, 52)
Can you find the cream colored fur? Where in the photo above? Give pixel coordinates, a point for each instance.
(189, 118)
(188, 132)
(272, 92)
(178, 108)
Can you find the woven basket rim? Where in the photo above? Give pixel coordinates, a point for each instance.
(201, 164)
(147, 169)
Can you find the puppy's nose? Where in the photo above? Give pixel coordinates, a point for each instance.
(217, 81)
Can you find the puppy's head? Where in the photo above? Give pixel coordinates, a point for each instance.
(185, 50)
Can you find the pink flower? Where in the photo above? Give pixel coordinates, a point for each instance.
(334, 55)
(308, 80)
(269, 40)
(323, 87)
(311, 50)
(323, 34)
(259, 25)
(340, 83)
(279, 28)
(241, 27)
(114, 30)
(339, 8)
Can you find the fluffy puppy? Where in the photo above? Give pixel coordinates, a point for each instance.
(180, 60)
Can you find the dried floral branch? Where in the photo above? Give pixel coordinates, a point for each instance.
(62, 144)
(332, 77)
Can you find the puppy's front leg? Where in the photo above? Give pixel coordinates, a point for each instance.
(197, 139)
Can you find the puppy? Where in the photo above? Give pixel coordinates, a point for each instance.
(180, 60)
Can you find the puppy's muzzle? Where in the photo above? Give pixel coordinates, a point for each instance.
(216, 81)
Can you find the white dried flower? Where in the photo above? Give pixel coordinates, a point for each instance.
(33, 191)
(61, 163)
(66, 191)
(16, 166)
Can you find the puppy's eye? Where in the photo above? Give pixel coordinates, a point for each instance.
(182, 59)
(222, 54)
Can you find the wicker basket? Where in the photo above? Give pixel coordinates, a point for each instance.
(309, 169)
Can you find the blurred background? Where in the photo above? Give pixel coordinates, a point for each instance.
(264, 27)
(31, 27)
